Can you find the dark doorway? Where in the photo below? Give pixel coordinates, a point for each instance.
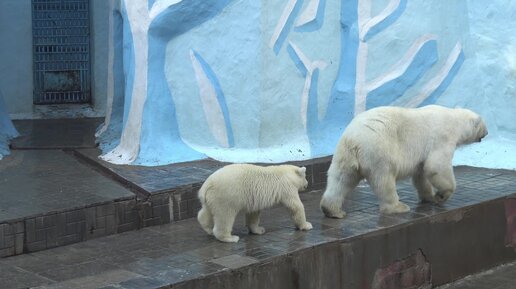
(61, 51)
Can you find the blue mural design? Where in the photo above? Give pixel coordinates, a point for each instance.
(190, 24)
(160, 139)
(446, 82)
(288, 26)
(221, 99)
(425, 58)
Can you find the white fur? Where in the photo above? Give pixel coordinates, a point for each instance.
(385, 144)
(250, 188)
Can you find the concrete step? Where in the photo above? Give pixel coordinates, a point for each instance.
(54, 197)
(429, 246)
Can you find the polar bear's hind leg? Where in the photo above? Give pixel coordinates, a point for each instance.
(252, 221)
(384, 186)
(338, 186)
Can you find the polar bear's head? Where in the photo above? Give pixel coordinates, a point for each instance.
(297, 176)
(475, 129)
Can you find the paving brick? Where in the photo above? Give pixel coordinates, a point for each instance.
(18, 243)
(75, 216)
(104, 210)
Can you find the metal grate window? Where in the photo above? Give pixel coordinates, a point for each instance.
(61, 51)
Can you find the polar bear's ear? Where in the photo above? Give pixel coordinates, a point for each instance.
(301, 170)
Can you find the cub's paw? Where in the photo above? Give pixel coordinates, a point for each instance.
(394, 209)
(306, 227)
(257, 230)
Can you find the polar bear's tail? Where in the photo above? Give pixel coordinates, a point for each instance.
(205, 217)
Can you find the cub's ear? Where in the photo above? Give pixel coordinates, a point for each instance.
(301, 170)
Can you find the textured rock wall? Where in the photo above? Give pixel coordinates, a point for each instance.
(272, 81)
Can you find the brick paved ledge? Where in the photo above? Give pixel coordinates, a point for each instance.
(169, 193)
(429, 246)
(50, 199)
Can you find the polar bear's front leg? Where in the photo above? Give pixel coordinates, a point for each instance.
(444, 183)
(252, 221)
(423, 187)
(384, 186)
(439, 171)
(297, 210)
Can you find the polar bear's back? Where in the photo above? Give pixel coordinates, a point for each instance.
(401, 137)
(247, 186)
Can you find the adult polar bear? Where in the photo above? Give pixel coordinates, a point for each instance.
(385, 144)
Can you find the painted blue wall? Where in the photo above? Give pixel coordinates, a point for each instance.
(268, 81)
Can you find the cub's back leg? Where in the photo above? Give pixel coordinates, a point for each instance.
(205, 219)
(224, 218)
(252, 221)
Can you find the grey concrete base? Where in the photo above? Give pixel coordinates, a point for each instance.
(454, 244)
(429, 246)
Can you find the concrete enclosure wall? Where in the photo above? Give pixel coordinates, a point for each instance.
(272, 81)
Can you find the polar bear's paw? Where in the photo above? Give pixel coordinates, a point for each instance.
(257, 230)
(441, 197)
(229, 239)
(427, 199)
(394, 209)
(306, 226)
(330, 210)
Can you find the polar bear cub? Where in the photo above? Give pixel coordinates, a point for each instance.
(250, 188)
(385, 144)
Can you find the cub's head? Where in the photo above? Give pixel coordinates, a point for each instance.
(299, 178)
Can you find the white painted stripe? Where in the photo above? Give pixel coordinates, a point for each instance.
(436, 81)
(282, 22)
(127, 151)
(309, 14)
(310, 67)
(401, 66)
(388, 10)
(364, 14)
(210, 103)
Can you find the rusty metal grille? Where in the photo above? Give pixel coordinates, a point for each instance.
(61, 51)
